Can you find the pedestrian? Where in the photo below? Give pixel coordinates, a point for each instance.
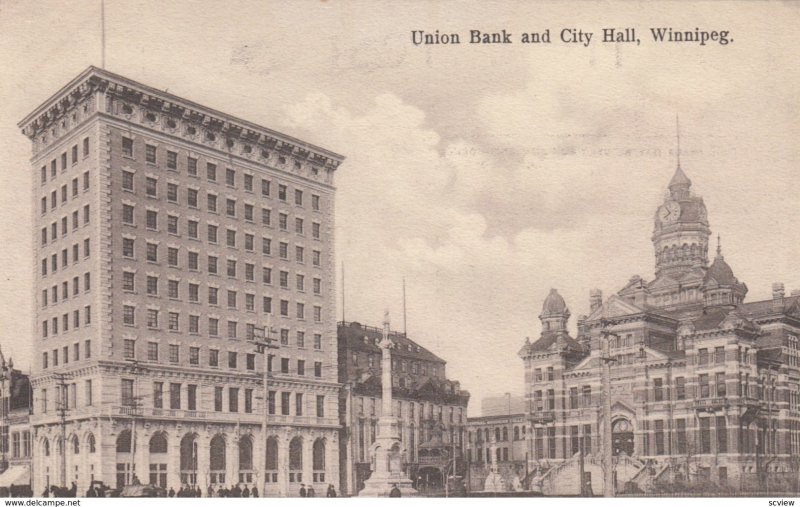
(197, 492)
(210, 491)
(99, 492)
(395, 493)
(331, 491)
(45, 493)
(311, 493)
(246, 492)
(91, 493)
(236, 491)
(171, 493)
(302, 491)
(254, 492)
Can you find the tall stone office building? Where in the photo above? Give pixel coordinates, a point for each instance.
(167, 234)
(704, 387)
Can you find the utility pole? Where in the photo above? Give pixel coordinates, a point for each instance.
(510, 426)
(134, 413)
(62, 415)
(263, 346)
(608, 457)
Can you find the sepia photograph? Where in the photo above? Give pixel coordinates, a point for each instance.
(409, 248)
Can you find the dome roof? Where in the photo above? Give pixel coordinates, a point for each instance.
(721, 272)
(554, 305)
(679, 179)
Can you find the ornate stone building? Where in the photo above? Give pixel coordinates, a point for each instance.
(15, 430)
(704, 387)
(431, 408)
(167, 235)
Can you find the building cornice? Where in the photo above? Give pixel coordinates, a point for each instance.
(184, 113)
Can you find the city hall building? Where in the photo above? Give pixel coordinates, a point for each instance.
(704, 386)
(168, 237)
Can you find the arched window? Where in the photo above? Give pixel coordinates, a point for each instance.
(189, 459)
(497, 453)
(124, 442)
(245, 460)
(516, 432)
(497, 434)
(486, 434)
(46, 447)
(217, 460)
(296, 460)
(319, 460)
(158, 443)
(505, 434)
(91, 444)
(245, 454)
(272, 453)
(76, 445)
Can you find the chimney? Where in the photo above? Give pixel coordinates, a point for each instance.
(777, 297)
(595, 299)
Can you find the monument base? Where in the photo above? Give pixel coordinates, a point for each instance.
(381, 486)
(494, 483)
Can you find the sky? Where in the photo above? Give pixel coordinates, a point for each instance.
(483, 175)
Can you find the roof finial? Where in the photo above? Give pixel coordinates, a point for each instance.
(719, 246)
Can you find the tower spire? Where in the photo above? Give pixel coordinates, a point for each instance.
(678, 139)
(719, 246)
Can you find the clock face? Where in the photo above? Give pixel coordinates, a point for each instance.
(669, 212)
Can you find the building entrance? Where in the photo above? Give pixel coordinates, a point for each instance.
(622, 437)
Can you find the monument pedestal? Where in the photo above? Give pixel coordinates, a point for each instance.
(388, 468)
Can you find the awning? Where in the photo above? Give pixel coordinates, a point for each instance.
(18, 475)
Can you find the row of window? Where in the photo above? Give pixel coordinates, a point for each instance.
(54, 162)
(65, 225)
(236, 398)
(65, 292)
(54, 201)
(65, 355)
(153, 319)
(66, 396)
(65, 257)
(426, 410)
(248, 180)
(193, 259)
(51, 327)
(20, 443)
(193, 226)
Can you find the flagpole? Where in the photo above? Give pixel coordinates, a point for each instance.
(103, 34)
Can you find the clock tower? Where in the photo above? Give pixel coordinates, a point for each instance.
(681, 233)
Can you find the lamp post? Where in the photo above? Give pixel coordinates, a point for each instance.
(263, 346)
(510, 427)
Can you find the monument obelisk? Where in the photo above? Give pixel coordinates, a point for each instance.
(387, 452)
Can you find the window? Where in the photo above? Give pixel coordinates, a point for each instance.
(150, 154)
(218, 399)
(248, 182)
(230, 177)
(317, 258)
(191, 397)
(212, 233)
(315, 202)
(174, 321)
(213, 326)
(194, 324)
(232, 296)
(174, 396)
(126, 392)
(317, 314)
(298, 403)
(283, 221)
(86, 180)
(127, 214)
(301, 367)
(315, 230)
(719, 380)
(659, 437)
(212, 203)
(248, 401)
(702, 356)
(232, 328)
(250, 362)
(266, 216)
(151, 187)
(128, 315)
(317, 286)
(230, 207)
(658, 389)
(680, 388)
(722, 435)
(298, 225)
(211, 171)
(573, 399)
(172, 257)
(285, 365)
(265, 187)
(152, 285)
(300, 282)
(212, 265)
(266, 246)
(174, 353)
(191, 166)
(317, 342)
(248, 212)
(284, 279)
(233, 399)
(232, 360)
(152, 351)
(267, 304)
(194, 355)
(152, 318)
(719, 355)
(191, 197)
(301, 311)
(704, 388)
(282, 192)
(152, 220)
(172, 192)
(213, 358)
(705, 435)
(152, 252)
(318, 369)
(194, 292)
(172, 160)
(127, 147)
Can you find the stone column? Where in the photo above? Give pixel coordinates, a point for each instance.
(308, 460)
(174, 460)
(141, 458)
(283, 465)
(232, 459)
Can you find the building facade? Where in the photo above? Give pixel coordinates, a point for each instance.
(168, 237)
(432, 410)
(704, 388)
(15, 430)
